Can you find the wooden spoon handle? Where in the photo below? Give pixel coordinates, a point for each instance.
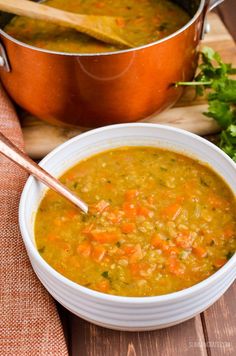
(103, 28)
(8, 149)
(39, 12)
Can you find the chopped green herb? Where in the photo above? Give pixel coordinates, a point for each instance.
(183, 255)
(229, 255)
(213, 78)
(84, 217)
(203, 182)
(161, 182)
(118, 244)
(75, 185)
(163, 26)
(105, 274)
(41, 250)
(87, 285)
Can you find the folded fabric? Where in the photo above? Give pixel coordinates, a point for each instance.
(29, 322)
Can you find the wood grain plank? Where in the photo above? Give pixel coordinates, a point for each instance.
(91, 340)
(40, 138)
(219, 323)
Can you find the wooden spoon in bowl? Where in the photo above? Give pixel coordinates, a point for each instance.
(103, 28)
(8, 149)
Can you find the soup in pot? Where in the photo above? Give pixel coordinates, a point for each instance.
(158, 222)
(142, 22)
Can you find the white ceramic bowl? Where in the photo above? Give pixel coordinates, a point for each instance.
(126, 313)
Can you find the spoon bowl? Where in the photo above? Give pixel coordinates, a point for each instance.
(103, 28)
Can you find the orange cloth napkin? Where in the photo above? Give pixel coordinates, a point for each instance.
(29, 322)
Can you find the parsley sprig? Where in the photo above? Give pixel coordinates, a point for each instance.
(213, 79)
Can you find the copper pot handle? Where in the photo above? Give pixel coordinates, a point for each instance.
(4, 63)
(209, 6)
(213, 4)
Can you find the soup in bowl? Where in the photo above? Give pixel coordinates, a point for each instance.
(156, 247)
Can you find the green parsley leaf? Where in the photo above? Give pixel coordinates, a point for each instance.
(213, 79)
(105, 274)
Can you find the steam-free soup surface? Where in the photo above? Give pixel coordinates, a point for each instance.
(144, 21)
(159, 222)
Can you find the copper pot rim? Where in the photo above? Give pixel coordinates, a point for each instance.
(152, 44)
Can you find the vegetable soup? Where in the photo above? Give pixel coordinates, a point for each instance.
(159, 222)
(142, 22)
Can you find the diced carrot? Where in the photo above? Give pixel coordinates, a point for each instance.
(158, 242)
(172, 211)
(99, 5)
(128, 227)
(175, 266)
(71, 176)
(52, 237)
(142, 269)
(143, 211)
(137, 255)
(129, 249)
(103, 286)
(129, 209)
(180, 199)
(71, 214)
(199, 251)
(172, 250)
(120, 22)
(84, 249)
(229, 232)
(130, 195)
(134, 269)
(134, 252)
(219, 262)
(104, 237)
(98, 253)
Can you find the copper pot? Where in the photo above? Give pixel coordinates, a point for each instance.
(99, 89)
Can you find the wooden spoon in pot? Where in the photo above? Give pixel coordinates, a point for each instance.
(103, 28)
(8, 149)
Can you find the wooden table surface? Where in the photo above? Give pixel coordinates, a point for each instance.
(213, 333)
